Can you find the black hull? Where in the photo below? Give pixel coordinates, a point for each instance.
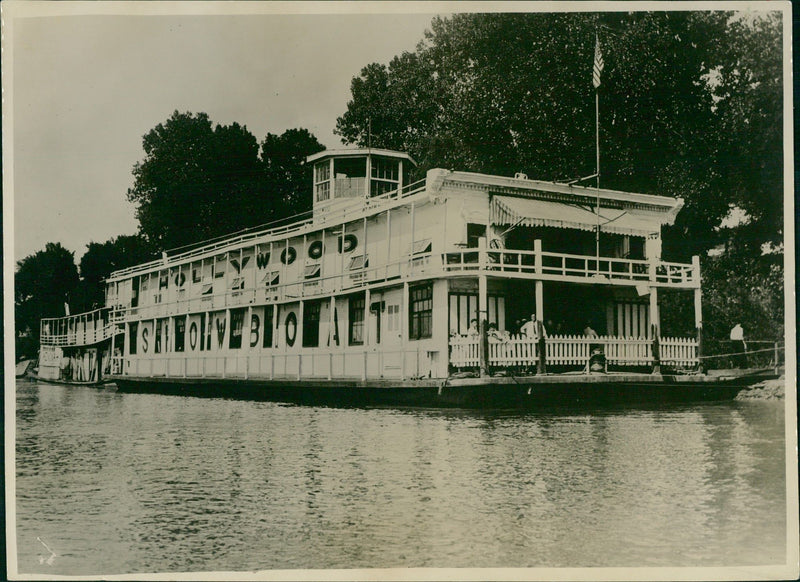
(33, 376)
(519, 393)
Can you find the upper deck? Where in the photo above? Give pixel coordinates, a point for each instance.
(370, 227)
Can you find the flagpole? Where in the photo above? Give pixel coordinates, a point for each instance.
(597, 69)
(597, 169)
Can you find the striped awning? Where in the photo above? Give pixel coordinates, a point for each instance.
(530, 212)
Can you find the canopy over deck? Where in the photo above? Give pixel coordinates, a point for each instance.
(531, 212)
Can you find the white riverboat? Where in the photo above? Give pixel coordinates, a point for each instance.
(372, 299)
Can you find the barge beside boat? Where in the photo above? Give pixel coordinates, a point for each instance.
(375, 299)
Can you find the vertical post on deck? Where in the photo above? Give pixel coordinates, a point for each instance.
(538, 286)
(483, 311)
(331, 332)
(404, 331)
(654, 318)
(299, 339)
(656, 349)
(367, 299)
(698, 309)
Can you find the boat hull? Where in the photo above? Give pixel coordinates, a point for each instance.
(535, 392)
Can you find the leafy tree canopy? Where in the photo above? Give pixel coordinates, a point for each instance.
(43, 283)
(199, 180)
(690, 106)
(101, 259)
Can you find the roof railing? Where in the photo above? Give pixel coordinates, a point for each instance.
(373, 204)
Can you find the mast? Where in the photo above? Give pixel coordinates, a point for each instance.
(596, 70)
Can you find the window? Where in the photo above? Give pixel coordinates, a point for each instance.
(180, 333)
(421, 247)
(163, 280)
(157, 348)
(135, 293)
(197, 269)
(357, 320)
(219, 266)
(474, 233)
(237, 322)
(272, 278)
(384, 175)
(134, 332)
(420, 312)
(322, 181)
(358, 262)
(311, 311)
(311, 271)
(464, 308)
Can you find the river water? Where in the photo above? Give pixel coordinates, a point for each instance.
(119, 483)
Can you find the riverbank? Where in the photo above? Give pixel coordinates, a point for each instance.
(774, 389)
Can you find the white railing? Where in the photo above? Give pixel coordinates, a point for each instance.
(573, 350)
(76, 330)
(564, 265)
(679, 351)
(407, 267)
(235, 240)
(268, 364)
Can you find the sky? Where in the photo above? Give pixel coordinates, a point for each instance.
(87, 87)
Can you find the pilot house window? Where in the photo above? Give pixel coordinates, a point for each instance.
(322, 181)
(384, 175)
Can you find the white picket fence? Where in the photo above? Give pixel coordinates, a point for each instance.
(573, 350)
(464, 351)
(679, 351)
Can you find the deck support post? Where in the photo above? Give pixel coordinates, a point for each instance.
(656, 349)
(483, 312)
(404, 331)
(111, 351)
(538, 287)
(698, 310)
(299, 339)
(367, 299)
(331, 332)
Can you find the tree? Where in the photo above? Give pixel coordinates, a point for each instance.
(199, 181)
(43, 283)
(286, 174)
(194, 179)
(101, 259)
(689, 106)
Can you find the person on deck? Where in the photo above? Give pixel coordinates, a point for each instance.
(588, 331)
(739, 347)
(533, 329)
(473, 328)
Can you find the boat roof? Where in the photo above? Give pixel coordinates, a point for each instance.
(355, 152)
(522, 186)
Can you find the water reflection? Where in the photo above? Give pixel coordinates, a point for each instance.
(127, 483)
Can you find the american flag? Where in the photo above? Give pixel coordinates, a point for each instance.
(598, 64)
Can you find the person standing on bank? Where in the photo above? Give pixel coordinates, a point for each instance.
(739, 347)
